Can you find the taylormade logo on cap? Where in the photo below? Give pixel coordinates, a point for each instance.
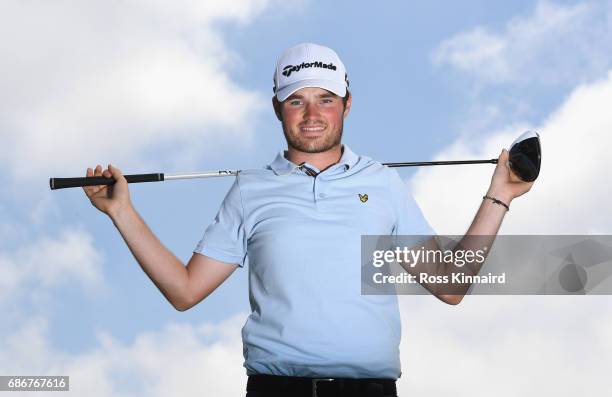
(309, 65)
(287, 70)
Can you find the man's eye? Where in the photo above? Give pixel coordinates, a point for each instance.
(294, 103)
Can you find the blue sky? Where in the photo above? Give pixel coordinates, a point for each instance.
(152, 87)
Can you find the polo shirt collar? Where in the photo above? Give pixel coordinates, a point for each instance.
(282, 166)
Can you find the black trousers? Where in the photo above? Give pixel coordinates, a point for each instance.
(288, 386)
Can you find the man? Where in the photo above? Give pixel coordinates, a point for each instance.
(299, 223)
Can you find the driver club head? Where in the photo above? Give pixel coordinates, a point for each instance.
(525, 156)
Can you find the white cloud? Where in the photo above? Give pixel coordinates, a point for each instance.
(180, 359)
(96, 81)
(70, 258)
(522, 345)
(495, 345)
(556, 44)
(572, 191)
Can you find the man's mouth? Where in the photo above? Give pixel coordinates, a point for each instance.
(312, 129)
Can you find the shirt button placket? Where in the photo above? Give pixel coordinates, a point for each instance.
(319, 194)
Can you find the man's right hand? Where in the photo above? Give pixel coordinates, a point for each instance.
(110, 199)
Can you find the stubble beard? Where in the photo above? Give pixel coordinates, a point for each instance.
(328, 142)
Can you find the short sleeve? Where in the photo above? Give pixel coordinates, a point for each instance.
(225, 238)
(409, 218)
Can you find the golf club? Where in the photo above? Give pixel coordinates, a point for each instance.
(525, 156)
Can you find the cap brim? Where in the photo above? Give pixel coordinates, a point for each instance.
(333, 86)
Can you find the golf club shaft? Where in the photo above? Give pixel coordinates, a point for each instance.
(457, 162)
(62, 183)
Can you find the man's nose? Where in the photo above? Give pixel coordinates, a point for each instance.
(311, 111)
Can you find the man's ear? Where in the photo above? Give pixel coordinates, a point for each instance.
(277, 108)
(349, 101)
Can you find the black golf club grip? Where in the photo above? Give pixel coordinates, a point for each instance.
(62, 183)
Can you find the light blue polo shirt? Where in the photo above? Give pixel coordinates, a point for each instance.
(302, 235)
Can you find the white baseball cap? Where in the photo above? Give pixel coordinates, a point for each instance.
(309, 65)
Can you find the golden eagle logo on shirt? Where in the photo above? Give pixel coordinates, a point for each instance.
(363, 197)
